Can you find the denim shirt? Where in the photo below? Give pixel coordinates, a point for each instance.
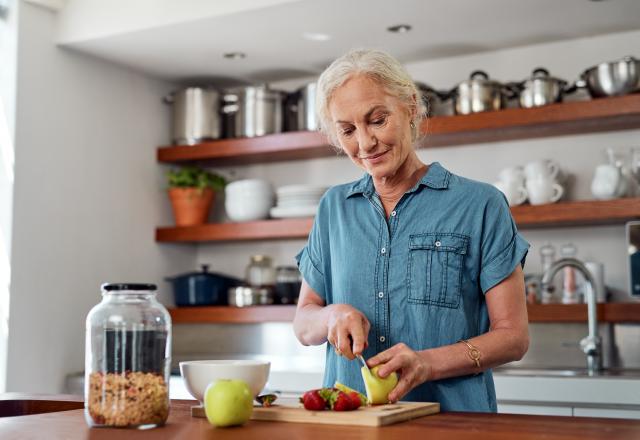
(419, 276)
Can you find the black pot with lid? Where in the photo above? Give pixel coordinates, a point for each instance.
(202, 288)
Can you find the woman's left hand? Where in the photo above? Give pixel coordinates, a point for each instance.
(411, 366)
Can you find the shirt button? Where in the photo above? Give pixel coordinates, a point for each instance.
(383, 250)
(382, 339)
(438, 244)
(380, 294)
(393, 213)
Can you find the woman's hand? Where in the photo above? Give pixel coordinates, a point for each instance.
(410, 365)
(347, 330)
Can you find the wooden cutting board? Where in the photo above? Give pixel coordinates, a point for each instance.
(290, 410)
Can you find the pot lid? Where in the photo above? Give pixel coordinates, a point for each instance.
(542, 74)
(204, 271)
(480, 77)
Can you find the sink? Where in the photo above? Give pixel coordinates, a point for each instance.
(567, 372)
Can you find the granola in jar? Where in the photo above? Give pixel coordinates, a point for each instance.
(129, 399)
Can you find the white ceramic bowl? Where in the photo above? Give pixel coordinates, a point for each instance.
(248, 207)
(256, 186)
(198, 375)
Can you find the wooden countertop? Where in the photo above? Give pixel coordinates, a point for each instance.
(70, 424)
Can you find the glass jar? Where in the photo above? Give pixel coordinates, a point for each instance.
(260, 271)
(127, 358)
(288, 282)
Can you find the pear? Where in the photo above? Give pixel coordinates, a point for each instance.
(378, 388)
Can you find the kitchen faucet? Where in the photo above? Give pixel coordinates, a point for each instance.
(591, 344)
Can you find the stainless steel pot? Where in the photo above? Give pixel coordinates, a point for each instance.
(300, 109)
(434, 100)
(479, 94)
(243, 296)
(252, 111)
(196, 115)
(541, 89)
(610, 79)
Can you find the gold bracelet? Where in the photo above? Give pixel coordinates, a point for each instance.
(473, 353)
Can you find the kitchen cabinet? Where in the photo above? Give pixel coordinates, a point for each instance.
(562, 410)
(538, 410)
(610, 413)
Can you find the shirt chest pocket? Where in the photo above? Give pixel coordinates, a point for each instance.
(434, 273)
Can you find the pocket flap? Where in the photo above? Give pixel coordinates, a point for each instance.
(446, 242)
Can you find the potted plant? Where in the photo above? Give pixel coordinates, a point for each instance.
(192, 191)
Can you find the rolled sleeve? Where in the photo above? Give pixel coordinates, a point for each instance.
(313, 260)
(503, 248)
(310, 272)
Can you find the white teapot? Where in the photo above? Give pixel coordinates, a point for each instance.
(608, 182)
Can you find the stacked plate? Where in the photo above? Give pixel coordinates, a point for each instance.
(297, 201)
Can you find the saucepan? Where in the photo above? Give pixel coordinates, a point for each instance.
(202, 288)
(480, 94)
(541, 89)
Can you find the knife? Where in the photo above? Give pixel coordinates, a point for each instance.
(363, 362)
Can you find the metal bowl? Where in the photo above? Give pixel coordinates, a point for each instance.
(611, 79)
(244, 296)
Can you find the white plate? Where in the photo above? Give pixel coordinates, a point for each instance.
(301, 190)
(293, 211)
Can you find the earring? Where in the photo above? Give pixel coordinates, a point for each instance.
(412, 125)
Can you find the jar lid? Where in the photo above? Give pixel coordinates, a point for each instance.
(259, 258)
(113, 287)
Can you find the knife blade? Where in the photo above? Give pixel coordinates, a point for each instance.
(363, 362)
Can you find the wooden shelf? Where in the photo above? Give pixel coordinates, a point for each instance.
(232, 315)
(597, 115)
(578, 213)
(609, 312)
(257, 230)
(552, 215)
(538, 313)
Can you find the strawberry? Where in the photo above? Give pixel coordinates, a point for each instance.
(315, 400)
(357, 399)
(341, 401)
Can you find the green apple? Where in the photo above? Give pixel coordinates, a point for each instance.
(228, 402)
(378, 388)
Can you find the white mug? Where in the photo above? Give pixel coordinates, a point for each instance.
(543, 168)
(543, 191)
(512, 174)
(515, 193)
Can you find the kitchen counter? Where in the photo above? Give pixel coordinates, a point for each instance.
(70, 424)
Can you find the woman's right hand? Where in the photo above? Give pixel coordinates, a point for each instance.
(347, 330)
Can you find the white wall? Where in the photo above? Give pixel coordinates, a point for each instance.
(88, 196)
(577, 154)
(8, 67)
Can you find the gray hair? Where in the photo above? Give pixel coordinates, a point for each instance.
(377, 65)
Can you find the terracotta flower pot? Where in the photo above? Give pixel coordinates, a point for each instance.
(191, 205)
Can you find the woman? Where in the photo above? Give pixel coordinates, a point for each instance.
(412, 266)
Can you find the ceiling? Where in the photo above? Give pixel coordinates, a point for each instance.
(273, 41)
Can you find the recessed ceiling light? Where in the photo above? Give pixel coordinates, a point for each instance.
(316, 36)
(235, 55)
(399, 28)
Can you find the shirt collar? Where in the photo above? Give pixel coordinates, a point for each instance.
(436, 177)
